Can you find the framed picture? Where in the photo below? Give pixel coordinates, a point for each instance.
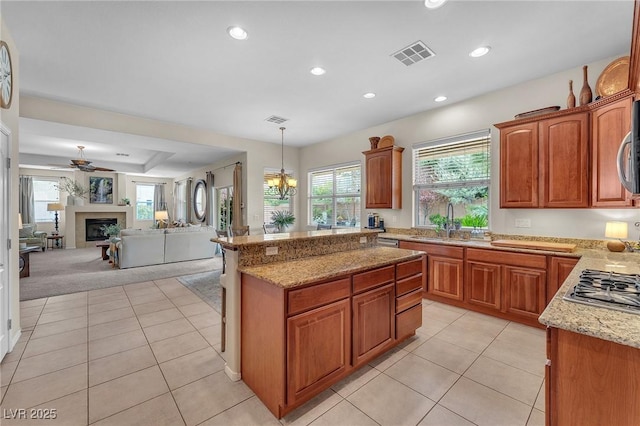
(101, 190)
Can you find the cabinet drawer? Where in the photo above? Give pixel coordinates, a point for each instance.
(370, 279)
(317, 295)
(508, 258)
(406, 269)
(444, 250)
(408, 321)
(408, 284)
(408, 300)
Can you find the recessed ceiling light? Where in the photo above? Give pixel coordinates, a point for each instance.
(480, 51)
(369, 95)
(434, 4)
(237, 33)
(317, 71)
(440, 99)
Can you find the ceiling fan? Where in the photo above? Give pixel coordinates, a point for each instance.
(81, 163)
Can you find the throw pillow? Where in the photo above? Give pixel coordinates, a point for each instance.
(27, 230)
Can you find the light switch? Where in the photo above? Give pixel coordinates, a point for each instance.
(271, 251)
(523, 223)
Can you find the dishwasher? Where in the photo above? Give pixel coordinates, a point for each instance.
(387, 242)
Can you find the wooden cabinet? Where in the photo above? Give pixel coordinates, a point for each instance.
(297, 342)
(445, 266)
(383, 178)
(318, 348)
(559, 270)
(524, 291)
(545, 163)
(483, 284)
(609, 124)
(590, 381)
(373, 323)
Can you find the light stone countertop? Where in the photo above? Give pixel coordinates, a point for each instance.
(320, 268)
(234, 243)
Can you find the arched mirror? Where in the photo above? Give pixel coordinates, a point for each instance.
(200, 200)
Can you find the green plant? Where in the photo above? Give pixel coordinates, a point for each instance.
(282, 218)
(438, 220)
(111, 230)
(126, 201)
(72, 187)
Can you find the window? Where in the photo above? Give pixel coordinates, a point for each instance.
(272, 202)
(181, 201)
(144, 201)
(225, 207)
(454, 170)
(45, 191)
(334, 196)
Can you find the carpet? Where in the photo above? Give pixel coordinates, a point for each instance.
(58, 271)
(207, 286)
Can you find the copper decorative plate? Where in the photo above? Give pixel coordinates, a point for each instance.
(386, 141)
(614, 78)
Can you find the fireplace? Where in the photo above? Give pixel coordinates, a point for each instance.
(92, 228)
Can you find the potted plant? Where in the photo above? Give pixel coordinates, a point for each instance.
(282, 219)
(111, 230)
(75, 190)
(125, 201)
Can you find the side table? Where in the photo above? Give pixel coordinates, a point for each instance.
(56, 241)
(104, 245)
(23, 258)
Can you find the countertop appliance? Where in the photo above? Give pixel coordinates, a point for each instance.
(611, 290)
(629, 154)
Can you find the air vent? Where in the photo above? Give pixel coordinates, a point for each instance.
(413, 53)
(121, 154)
(276, 119)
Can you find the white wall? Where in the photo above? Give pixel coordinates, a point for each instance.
(467, 116)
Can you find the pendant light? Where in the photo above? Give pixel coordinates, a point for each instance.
(283, 186)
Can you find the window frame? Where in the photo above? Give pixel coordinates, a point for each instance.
(455, 142)
(334, 195)
(49, 217)
(152, 186)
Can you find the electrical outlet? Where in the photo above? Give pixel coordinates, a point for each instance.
(363, 240)
(271, 251)
(523, 223)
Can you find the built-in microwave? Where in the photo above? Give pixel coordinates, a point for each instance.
(629, 154)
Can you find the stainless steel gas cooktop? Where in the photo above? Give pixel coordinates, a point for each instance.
(611, 290)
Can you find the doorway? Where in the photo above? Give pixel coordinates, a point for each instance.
(5, 222)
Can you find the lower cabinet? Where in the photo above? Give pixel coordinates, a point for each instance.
(317, 348)
(298, 342)
(446, 271)
(524, 291)
(483, 284)
(373, 323)
(559, 270)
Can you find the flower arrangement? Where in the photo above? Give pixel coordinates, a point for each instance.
(72, 187)
(111, 230)
(282, 219)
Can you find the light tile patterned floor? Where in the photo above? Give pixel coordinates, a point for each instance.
(149, 354)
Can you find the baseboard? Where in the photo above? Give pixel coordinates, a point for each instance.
(234, 376)
(14, 340)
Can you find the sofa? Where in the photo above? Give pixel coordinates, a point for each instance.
(30, 236)
(157, 246)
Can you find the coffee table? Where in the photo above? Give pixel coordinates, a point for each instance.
(23, 258)
(104, 245)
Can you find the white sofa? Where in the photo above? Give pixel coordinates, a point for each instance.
(156, 246)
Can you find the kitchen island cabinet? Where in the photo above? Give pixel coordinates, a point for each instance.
(299, 337)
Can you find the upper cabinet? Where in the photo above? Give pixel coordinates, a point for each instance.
(545, 163)
(384, 178)
(566, 159)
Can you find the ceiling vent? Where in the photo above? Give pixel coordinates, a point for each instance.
(413, 53)
(275, 119)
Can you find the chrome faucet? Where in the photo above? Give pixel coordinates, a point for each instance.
(449, 223)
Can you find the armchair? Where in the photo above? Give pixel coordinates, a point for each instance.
(32, 237)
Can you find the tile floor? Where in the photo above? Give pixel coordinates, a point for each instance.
(149, 354)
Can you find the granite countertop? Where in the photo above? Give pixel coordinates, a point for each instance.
(607, 324)
(234, 243)
(319, 268)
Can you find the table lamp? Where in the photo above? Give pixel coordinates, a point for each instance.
(55, 207)
(162, 217)
(617, 230)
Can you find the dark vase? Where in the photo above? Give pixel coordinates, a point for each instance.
(585, 93)
(374, 142)
(571, 99)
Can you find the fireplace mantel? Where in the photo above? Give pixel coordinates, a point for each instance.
(75, 215)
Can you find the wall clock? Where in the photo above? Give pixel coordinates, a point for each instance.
(6, 76)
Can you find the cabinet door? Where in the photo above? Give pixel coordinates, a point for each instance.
(482, 284)
(609, 124)
(524, 291)
(564, 175)
(373, 322)
(378, 165)
(560, 269)
(318, 348)
(519, 166)
(445, 277)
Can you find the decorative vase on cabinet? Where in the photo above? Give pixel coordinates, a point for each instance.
(586, 95)
(571, 99)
